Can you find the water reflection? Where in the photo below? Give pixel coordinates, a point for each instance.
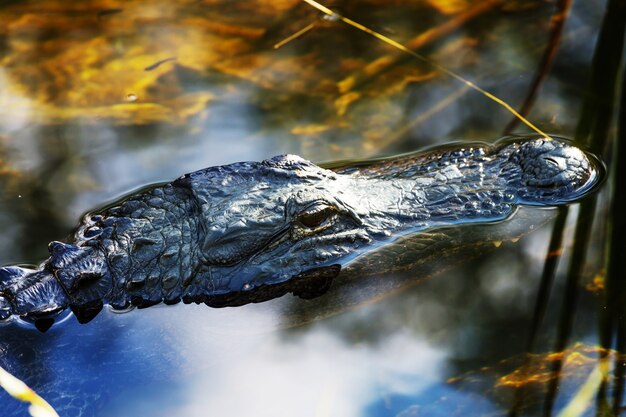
(382, 359)
(82, 121)
(333, 377)
(194, 360)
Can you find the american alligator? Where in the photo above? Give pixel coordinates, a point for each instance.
(252, 231)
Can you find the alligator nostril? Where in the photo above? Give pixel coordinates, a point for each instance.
(552, 161)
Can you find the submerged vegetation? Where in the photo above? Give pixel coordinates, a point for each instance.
(98, 97)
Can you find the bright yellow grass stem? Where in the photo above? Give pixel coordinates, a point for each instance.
(583, 399)
(19, 390)
(403, 48)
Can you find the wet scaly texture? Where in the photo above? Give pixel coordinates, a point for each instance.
(253, 231)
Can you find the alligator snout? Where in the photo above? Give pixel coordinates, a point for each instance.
(553, 171)
(558, 165)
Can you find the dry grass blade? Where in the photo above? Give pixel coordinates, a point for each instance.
(296, 35)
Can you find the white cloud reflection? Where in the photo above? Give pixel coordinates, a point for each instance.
(230, 366)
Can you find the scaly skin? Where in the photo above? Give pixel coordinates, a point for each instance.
(252, 231)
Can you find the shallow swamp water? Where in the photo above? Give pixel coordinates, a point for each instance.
(522, 318)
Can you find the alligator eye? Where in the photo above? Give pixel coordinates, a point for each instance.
(313, 219)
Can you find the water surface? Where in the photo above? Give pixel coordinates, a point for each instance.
(98, 98)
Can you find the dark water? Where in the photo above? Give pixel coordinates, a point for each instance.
(99, 98)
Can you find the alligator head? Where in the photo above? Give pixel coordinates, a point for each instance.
(267, 225)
